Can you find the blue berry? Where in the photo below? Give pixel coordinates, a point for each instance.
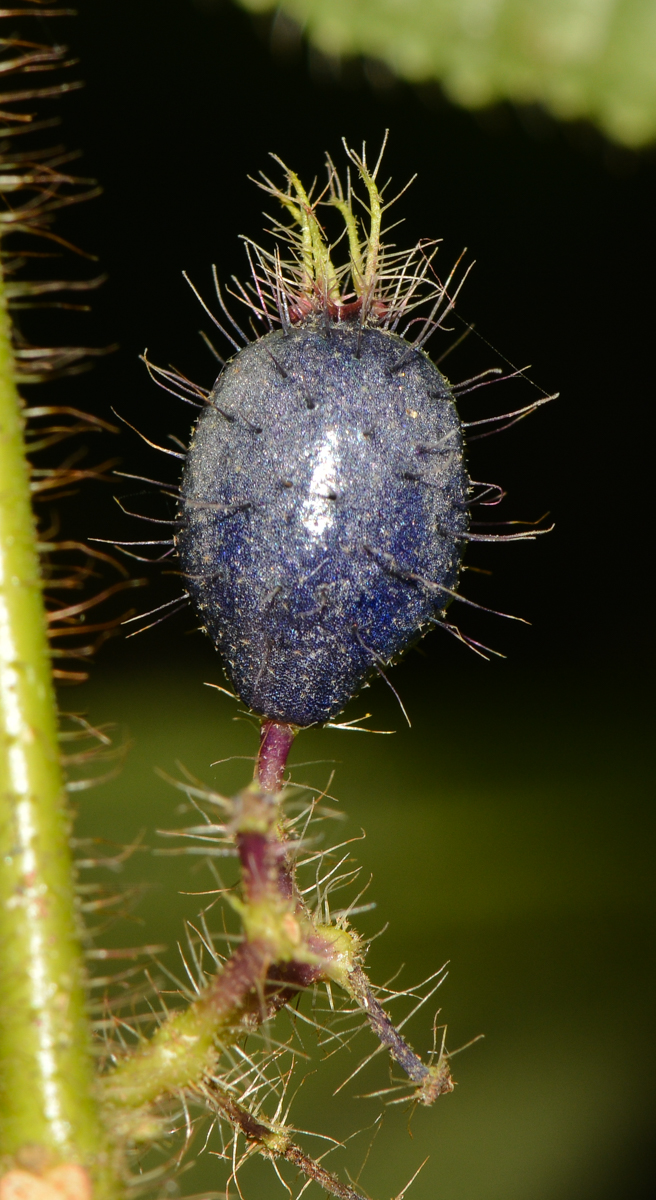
(323, 507)
(324, 504)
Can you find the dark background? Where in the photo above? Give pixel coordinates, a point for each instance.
(183, 101)
(512, 829)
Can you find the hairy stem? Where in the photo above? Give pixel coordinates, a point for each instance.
(285, 949)
(281, 952)
(433, 1080)
(46, 1072)
(273, 1142)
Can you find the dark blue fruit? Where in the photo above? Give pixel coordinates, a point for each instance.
(324, 503)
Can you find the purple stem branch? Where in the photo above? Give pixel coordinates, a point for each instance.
(433, 1080)
(274, 1143)
(275, 743)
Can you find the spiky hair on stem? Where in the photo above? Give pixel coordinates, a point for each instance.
(378, 285)
(35, 185)
(293, 946)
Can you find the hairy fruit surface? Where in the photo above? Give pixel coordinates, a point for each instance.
(323, 507)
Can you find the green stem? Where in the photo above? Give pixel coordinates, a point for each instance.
(46, 1069)
(284, 949)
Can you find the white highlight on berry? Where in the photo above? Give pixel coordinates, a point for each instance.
(319, 508)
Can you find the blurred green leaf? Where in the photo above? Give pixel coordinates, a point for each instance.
(592, 59)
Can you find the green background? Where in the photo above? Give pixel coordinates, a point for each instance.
(510, 831)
